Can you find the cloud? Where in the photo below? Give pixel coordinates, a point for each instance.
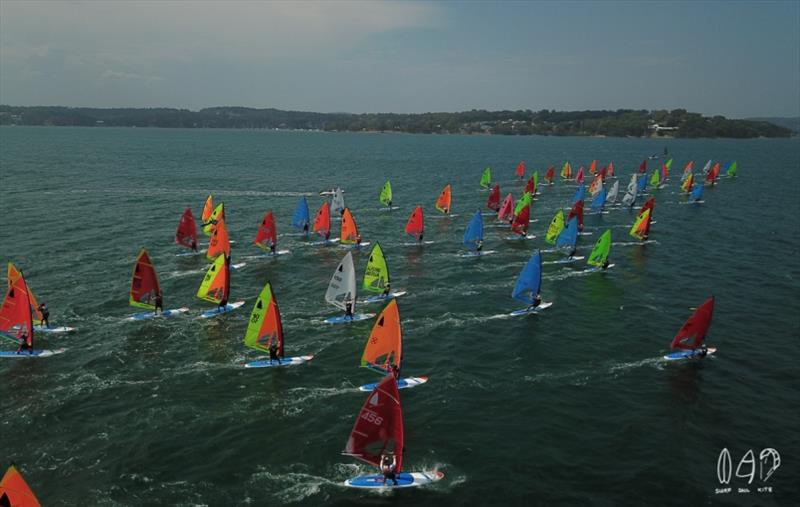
(128, 76)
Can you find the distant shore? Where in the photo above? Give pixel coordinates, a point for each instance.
(677, 123)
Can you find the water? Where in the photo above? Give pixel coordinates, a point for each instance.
(572, 406)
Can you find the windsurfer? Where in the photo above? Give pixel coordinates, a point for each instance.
(273, 353)
(45, 315)
(159, 303)
(536, 302)
(701, 351)
(395, 370)
(479, 245)
(605, 264)
(419, 238)
(386, 290)
(272, 248)
(388, 465)
(305, 228)
(24, 345)
(348, 310)
(194, 245)
(358, 240)
(572, 252)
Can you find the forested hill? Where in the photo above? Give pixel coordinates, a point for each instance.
(619, 123)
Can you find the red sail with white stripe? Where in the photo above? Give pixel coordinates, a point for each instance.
(379, 426)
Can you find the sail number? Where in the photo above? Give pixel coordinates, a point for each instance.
(372, 417)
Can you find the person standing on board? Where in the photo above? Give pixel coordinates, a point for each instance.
(273, 353)
(194, 245)
(348, 310)
(479, 246)
(388, 466)
(605, 264)
(272, 248)
(386, 290)
(159, 303)
(572, 252)
(23, 335)
(536, 302)
(45, 315)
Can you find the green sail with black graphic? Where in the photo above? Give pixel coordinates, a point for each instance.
(732, 168)
(486, 177)
(601, 249)
(376, 276)
(525, 200)
(265, 327)
(386, 194)
(556, 226)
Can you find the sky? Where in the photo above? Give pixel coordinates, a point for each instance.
(734, 58)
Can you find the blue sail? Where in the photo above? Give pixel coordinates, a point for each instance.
(599, 201)
(474, 232)
(529, 282)
(580, 194)
(569, 236)
(300, 218)
(697, 193)
(642, 183)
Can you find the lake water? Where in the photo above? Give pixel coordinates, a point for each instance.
(573, 406)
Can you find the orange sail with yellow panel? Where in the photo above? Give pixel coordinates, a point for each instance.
(349, 233)
(444, 200)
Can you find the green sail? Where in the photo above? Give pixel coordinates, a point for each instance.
(732, 169)
(535, 180)
(668, 164)
(386, 194)
(252, 335)
(655, 179)
(556, 226)
(376, 276)
(601, 249)
(525, 199)
(486, 177)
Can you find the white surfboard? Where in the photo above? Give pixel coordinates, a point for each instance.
(286, 361)
(403, 383)
(475, 255)
(33, 354)
(219, 311)
(341, 319)
(152, 315)
(353, 246)
(404, 480)
(387, 297)
(529, 311)
(687, 354)
(39, 328)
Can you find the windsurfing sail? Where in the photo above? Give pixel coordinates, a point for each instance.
(732, 169)
(443, 202)
(216, 215)
(219, 243)
(651, 205)
(687, 169)
(486, 178)
(693, 332)
(529, 283)
(686, 186)
(664, 172)
(384, 347)
(322, 222)
(580, 177)
(208, 208)
(596, 185)
(580, 194)
(506, 212)
(555, 228)
(216, 285)
(610, 170)
(707, 167)
(593, 167)
(525, 200)
(337, 203)
(641, 183)
(530, 186)
(349, 233)
(643, 167)
(342, 287)
(611, 197)
(713, 174)
(15, 492)
(655, 178)
(641, 226)
(521, 221)
(668, 163)
(376, 275)
(16, 319)
(386, 194)
(577, 212)
(301, 218)
(186, 234)
(566, 171)
(416, 223)
(550, 174)
(697, 193)
(379, 426)
(473, 235)
(13, 275)
(267, 234)
(630, 194)
(265, 327)
(601, 249)
(493, 202)
(569, 235)
(520, 171)
(144, 283)
(599, 201)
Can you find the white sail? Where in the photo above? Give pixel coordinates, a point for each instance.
(630, 195)
(337, 205)
(342, 288)
(707, 167)
(611, 198)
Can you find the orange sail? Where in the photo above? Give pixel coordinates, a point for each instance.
(208, 208)
(15, 492)
(267, 235)
(216, 285)
(385, 344)
(13, 275)
(219, 242)
(416, 223)
(322, 223)
(593, 167)
(520, 171)
(349, 234)
(443, 202)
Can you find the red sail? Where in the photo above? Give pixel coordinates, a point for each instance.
(530, 186)
(550, 174)
(593, 167)
(186, 235)
(322, 223)
(694, 330)
(379, 426)
(643, 167)
(712, 175)
(603, 172)
(144, 282)
(576, 211)
(651, 205)
(610, 172)
(507, 209)
(520, 172)
(266, 235)
(580, 176)
(520, 224)
(416, 223)
(15, 312)
(493, 203)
